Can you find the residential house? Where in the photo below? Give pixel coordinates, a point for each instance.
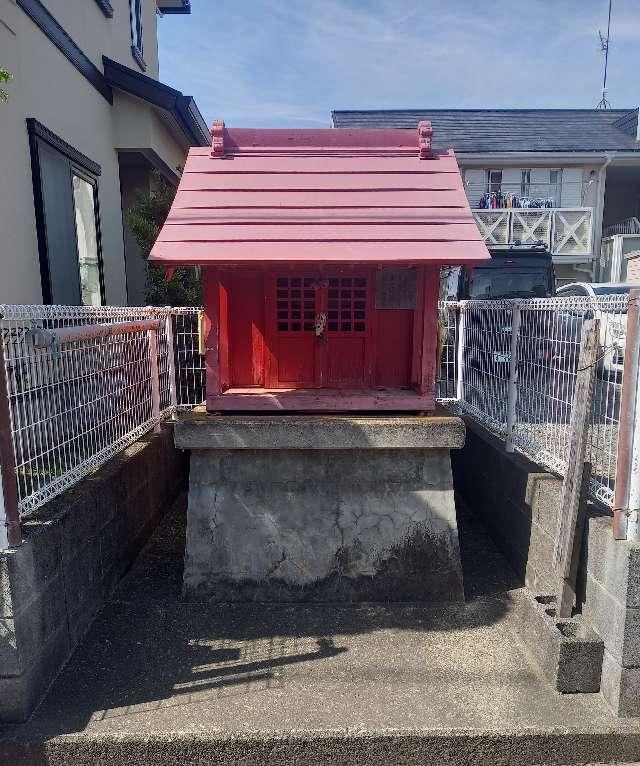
(86, 122)
(568, 177)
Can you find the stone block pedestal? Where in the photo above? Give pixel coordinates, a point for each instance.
(321, 508)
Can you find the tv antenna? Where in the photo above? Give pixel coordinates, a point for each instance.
(604, 47)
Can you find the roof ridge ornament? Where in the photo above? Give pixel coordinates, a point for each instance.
(217, 139)
(425, 133)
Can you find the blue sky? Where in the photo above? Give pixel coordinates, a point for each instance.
(289, 62)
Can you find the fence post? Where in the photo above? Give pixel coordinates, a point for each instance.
(512, 391)
(10, 532)
(171, 362)
(460, 354)
(633, 504)
(626, 429)
(576, 477)
(155, 379)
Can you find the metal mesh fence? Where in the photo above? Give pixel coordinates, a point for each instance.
(511, 365)
(514, 370)
(189, 359)
(76, 403)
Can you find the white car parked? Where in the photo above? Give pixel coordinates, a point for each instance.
(613, 325)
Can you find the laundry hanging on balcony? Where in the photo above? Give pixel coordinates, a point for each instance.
(495, 200)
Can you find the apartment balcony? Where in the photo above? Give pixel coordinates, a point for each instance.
(566, 231)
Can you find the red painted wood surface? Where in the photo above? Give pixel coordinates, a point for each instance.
(366, 252)
(351, 196)
(223, 334)
(197, 162)
(304, 182)
(351, 325)
(298, 358)
(262, 331)
(393, 215)
(394, 348)
(292, 225)
(266, 140)
(211, 330)
(334, 232)
(429, 318)
(329, 199)
(319, 400)
(246, 328)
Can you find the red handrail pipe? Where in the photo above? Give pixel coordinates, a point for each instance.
(8, 464)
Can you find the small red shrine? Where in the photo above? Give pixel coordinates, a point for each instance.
(321, 252)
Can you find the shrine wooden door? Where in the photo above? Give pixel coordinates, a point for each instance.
(319, 330)
(349, 310)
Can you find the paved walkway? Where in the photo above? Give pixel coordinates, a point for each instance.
(157, 681)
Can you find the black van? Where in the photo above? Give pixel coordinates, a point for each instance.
(519, 271)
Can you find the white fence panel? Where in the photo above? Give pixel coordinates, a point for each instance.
(527, 400)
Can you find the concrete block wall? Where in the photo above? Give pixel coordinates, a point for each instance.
(76, 549)
(515, 500)
(611, 593)
(520, 507)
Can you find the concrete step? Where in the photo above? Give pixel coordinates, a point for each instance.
(332, 748)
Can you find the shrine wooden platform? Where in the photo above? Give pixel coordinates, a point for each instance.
(321, 400)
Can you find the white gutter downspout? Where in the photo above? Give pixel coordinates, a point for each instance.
(599, 212)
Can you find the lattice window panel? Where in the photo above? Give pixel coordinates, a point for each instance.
(295, 304)
(531, 226)
(347, 306)
(572, 232)
(493, 226)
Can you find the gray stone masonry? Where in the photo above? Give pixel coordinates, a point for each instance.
(296, 508)
(520, 507)
(75, 550)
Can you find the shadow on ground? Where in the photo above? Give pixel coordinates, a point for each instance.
(152, 664)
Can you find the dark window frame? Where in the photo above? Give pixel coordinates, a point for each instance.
(80, 165)
(494, 186)
(137, 39)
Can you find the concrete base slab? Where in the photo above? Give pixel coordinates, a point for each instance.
(158, 682)
(321, 509)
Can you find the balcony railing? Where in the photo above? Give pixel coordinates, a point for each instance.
(628, 226)
(566, 231)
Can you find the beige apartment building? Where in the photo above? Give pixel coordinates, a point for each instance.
(85, 123)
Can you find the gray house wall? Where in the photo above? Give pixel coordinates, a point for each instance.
(48, 87)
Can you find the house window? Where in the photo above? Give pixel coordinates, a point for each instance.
(494, 181)
(555, 186)
(525, 183)
(135, 12)
(85, 199)
(65, 191)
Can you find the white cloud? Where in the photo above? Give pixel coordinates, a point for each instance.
(268, 62)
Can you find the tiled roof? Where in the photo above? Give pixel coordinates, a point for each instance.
(510, 130)
(319, 196)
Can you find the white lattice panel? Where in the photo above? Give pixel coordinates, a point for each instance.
(572, 232)
(531, 226)
(493, 226)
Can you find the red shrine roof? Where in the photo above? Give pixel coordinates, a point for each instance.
(328, 195)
